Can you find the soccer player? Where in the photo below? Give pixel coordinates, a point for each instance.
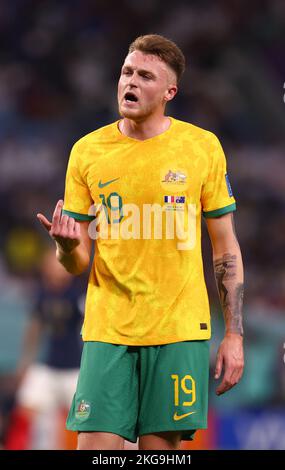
(139, 187)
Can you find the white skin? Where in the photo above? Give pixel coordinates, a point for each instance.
(154, 83)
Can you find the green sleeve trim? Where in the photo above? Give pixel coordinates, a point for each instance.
(77, 216)
(222, 211)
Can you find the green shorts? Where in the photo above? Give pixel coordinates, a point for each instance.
(136, 390)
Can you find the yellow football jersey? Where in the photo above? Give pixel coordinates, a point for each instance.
(144, 200)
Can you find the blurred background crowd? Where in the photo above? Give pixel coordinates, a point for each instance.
(59, 66)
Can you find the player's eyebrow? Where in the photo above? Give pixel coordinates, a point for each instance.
(141, 71)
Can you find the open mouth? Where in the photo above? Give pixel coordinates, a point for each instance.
(130, 97)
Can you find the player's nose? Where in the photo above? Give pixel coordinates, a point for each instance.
(132, 80)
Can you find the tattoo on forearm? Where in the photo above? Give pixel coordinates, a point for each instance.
(230, 291)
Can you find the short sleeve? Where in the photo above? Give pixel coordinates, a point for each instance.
(77, 198)
(217, 197)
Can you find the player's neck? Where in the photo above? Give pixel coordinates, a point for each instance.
(146, 129)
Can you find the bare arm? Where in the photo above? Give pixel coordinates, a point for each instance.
(228, 269)
(73, 244)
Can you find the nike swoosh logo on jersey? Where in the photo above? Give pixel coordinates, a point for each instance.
(102, 185)
(176, 417)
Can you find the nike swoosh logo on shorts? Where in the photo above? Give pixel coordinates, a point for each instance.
(176, 417)
(102, 185)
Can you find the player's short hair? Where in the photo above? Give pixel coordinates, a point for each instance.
(162, 47)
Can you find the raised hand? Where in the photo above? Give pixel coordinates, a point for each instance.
(63, 229)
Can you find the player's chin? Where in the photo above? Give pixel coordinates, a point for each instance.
(129, 112)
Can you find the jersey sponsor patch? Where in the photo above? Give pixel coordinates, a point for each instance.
(228, 185)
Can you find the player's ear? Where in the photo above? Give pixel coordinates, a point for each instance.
(170, 92)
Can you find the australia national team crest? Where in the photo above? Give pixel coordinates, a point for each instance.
(83, 410)
(174, 179)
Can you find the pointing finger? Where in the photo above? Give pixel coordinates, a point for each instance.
(44, 221)
(57, 210)
(56, 215)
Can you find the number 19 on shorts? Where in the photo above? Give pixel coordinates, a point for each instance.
(187, 385)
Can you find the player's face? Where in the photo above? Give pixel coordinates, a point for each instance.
(145, 85)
